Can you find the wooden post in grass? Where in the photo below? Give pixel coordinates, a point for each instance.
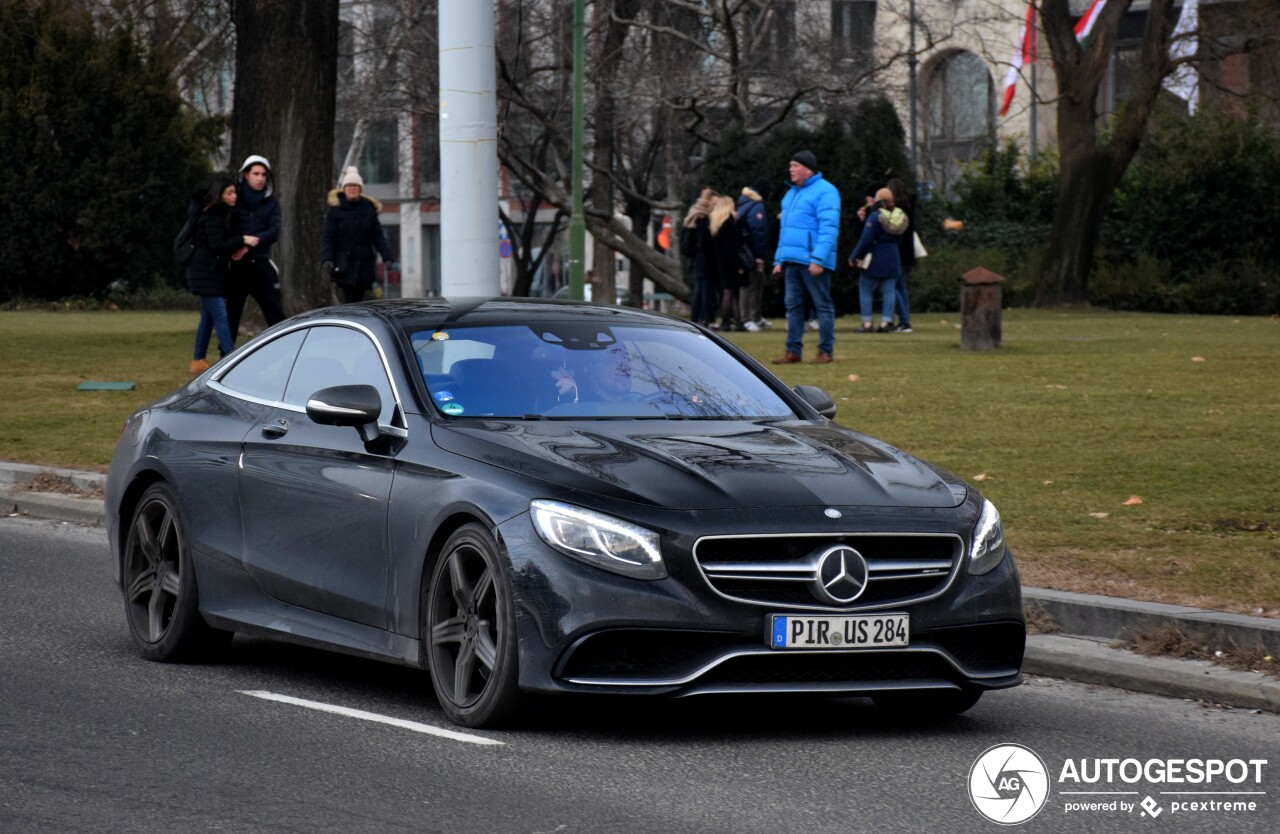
(980, 302)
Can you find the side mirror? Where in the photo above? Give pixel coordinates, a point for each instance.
(347, 405)
(819, 399)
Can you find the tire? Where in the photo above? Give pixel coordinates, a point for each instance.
(924, 704)
(469, 632)
(161, 600)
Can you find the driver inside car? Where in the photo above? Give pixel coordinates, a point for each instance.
(606, 378)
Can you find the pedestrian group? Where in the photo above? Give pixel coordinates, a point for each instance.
(232, 225)
(728, 250)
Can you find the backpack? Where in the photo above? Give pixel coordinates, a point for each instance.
(184, 245)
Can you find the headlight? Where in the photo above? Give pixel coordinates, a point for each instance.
(988, 541)
(598, 539)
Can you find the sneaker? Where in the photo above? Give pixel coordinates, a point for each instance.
(787, 358)
(198, 366)
(821, 359)
(751, 327)
(812, 325)
(765, 324)
(866, 328)
(903, 328)
(886, 328)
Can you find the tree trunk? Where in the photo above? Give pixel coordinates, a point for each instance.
(1085, 189)
(1091, 168)
(286, 79)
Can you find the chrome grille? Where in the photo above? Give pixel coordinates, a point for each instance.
(775, 571)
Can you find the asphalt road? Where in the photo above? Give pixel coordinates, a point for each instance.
(94, 739)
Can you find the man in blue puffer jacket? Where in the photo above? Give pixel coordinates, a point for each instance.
(806, 256)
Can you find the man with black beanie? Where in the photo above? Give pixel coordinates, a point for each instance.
(806, 255)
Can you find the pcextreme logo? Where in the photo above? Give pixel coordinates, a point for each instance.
(1009, 784)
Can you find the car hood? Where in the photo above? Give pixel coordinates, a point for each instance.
(708, 465)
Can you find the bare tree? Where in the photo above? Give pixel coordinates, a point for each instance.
(1095, 152)
(666, 78)
(286, 75)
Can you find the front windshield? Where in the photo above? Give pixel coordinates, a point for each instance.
(582, 369)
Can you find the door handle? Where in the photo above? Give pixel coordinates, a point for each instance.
(277, 429)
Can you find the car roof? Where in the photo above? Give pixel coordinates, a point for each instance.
(418, 313)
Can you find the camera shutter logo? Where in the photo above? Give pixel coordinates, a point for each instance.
(1008, 784)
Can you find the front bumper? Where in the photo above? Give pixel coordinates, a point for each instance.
(583, 629)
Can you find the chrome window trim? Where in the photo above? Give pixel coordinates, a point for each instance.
(216, 381)
(958, 560)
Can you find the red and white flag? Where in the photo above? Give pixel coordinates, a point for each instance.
(1085, 24)
(1026, 54)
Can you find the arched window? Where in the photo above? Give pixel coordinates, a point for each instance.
(959, 114)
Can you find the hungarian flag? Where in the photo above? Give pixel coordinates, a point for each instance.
(1085, 24)
(1026, 54)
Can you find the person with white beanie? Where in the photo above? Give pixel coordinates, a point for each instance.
(256, 216)
(352, 236)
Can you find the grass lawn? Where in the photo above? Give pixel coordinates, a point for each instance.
(1074, 415)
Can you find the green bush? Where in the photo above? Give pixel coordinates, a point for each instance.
(1191, 228)
(98, 153)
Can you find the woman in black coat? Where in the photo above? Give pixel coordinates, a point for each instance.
(207, 271)
(352, 233)
(727, 242)
(697, 244)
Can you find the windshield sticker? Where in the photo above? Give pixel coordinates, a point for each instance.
(439, 336)
(453, 409)
(443, 396)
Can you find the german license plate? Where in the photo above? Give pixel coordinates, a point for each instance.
(864, 631)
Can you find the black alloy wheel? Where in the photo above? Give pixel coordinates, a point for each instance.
(469, 631)
(160, 596)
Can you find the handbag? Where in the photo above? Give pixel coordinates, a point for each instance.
(918, 246)
(746, 257)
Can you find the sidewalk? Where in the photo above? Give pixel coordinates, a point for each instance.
(1081, 649)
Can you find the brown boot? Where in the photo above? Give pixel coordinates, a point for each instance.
(787, 358)
(821, 359)
(199, 366)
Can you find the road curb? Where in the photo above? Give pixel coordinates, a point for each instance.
(52, 505)
(1092, 661)
(1112, 618)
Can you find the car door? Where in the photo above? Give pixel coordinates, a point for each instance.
(314, 497)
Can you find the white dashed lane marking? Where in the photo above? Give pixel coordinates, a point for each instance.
(372, 716)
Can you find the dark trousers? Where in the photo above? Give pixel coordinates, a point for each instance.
(258, 278)
(351, 293)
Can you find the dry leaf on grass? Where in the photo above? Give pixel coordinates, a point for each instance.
(1133, 499)
(1047, 483)
(853, 377)
(1197, 359)
(982, 476)
(1099, 515)
(1057, 387)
